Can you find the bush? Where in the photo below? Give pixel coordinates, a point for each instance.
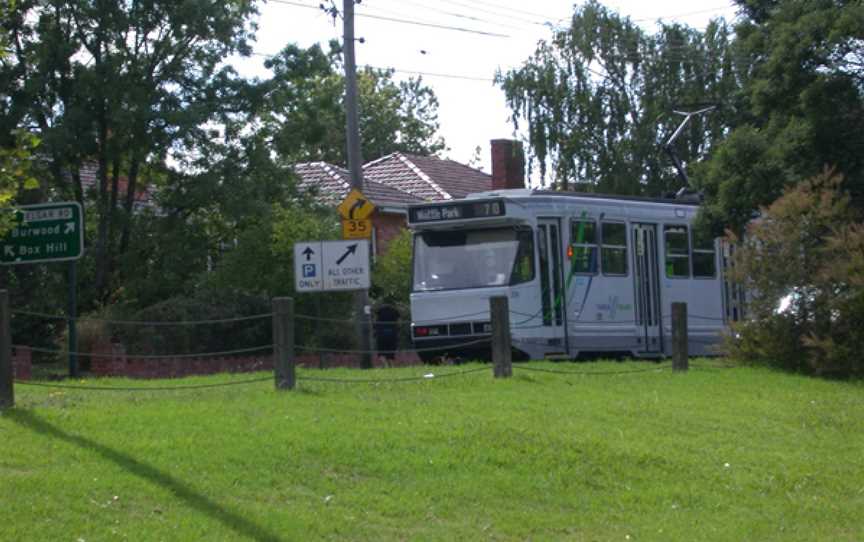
(805, 253)
(391, 277)
(92, 330)
(156, 338)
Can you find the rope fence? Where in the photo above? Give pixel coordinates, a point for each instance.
(454, 346)
(147, 323)
(142, 388)
(151, 323)
(280, 353)
(655, 369)
(150, 356)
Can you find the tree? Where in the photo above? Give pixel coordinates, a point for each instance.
(391, 277)
(803, 264)
(15, 175)
(124, 84)
(303, 113)
(598, 100)
(15, 160)
(801, 106)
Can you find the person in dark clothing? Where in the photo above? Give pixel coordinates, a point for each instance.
(387, 330)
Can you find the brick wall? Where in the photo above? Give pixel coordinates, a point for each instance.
(111, 360)
(508, 164)
(22, 363)
(387, 227)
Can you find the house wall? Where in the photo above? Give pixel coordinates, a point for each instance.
(387, 227)
(22, 363)
(112, 360)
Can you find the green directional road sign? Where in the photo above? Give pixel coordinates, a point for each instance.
(48, 232)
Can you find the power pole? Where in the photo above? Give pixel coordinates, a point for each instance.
(355, 166)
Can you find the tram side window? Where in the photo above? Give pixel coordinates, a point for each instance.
(613, 251)
(704, 256)
(677, 252)
(523, 264)
(583, 242)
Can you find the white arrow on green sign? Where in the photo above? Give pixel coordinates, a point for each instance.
(47, 232)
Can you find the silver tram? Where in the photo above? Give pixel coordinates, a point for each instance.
(584, 274)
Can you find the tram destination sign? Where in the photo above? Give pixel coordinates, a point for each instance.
(456, 211)
(47, 232)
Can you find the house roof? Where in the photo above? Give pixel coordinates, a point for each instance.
(454, 179)
(332, 184)
(397, 180)
(144, 193)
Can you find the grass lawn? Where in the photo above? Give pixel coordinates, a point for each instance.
(713, 454)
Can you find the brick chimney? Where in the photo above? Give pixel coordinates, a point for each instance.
(508, 164)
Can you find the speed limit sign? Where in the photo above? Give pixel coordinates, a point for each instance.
(357, 229)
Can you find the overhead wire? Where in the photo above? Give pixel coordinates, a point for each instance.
(541, 16)
(399, 70)
(459, 15)
(406, 21)
(546, 20)
(665, 57)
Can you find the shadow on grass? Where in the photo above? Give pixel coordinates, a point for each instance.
(230, 519)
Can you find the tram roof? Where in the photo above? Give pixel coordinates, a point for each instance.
(527, 193)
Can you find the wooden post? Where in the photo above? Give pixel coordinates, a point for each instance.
(7, 374)
(680, 352)
(283, 343)
(502, 356)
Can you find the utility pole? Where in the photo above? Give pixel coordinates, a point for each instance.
(355, 161)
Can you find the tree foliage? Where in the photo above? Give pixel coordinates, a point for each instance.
(16, 175)
(303, 112)
(121, 84)
(15, 154)
(391, 276)
(801, 106)
(598, 100)
(802, 263)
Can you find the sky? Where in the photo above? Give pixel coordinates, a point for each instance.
(458, 62)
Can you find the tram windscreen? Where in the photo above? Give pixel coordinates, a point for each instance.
(449, 260)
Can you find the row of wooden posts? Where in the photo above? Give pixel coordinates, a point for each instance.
(284, 352)
(502, 351)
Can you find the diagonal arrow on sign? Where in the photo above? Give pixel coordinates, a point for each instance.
(70, 227)
(9, 251)
(350, 250)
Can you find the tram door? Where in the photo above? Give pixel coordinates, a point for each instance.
(551, 276)
(647, 286)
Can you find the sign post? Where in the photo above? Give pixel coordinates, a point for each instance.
(45, 233)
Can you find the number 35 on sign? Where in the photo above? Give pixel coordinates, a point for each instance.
(357, 229)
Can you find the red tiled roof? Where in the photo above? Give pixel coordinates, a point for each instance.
(89, 173)
(397, 171)
(456, 179)
(397, 179)
(332, 184)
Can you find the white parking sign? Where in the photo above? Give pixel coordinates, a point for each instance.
(331, 265)
(308, 275)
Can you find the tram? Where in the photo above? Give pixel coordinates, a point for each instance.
(585, 274)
